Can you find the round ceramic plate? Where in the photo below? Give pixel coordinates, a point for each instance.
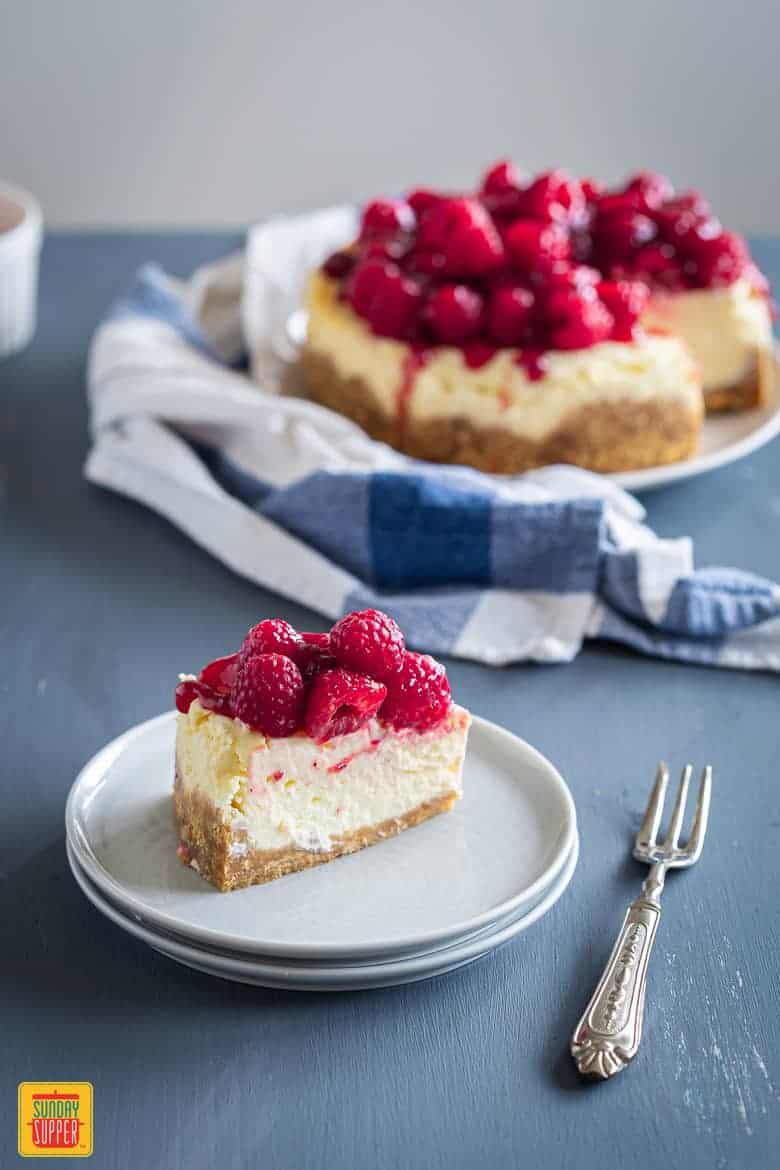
(492, 856)
(724, 439)
(327, 977)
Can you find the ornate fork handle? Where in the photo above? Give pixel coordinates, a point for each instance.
(608, 1034)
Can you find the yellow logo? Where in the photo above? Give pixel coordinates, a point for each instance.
(55, 1119)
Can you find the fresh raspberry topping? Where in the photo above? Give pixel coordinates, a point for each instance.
(592, 189)
(536, 247)
(650, 188)
(480, 271)
(577, 320)
(272, 636)
(675, 216)
(368, 641)
(268, 694)
(191, 689)
(314, 656)
(501, 178)
(418, 695)
(719, 259)
(556, 196)
(626, 301)
(458, 238)
(620, 233)
(221, 673)
(454, 313)
(387, 216)
(509, 314)
(385, 297)
(341, 702)
(657, 263)
(422, 200)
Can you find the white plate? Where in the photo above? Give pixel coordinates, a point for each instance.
(492, 856)
(325, 977)
(724, 439)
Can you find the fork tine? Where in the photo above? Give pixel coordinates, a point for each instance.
(696, 840)
(675, 824)
(648, 830)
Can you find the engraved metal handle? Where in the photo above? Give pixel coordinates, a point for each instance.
(608, 1034)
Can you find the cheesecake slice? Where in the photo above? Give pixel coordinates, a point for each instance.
(290, 753)
(728, 331)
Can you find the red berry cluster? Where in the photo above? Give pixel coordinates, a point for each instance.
(553, 263)
(281, 682)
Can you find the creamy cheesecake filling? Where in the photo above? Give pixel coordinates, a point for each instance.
(292, 792)
(724, 328)
(499, 393)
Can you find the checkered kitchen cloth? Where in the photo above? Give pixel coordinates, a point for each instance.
(299, 499)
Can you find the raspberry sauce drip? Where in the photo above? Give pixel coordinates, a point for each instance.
(414, 362)
(533, 362)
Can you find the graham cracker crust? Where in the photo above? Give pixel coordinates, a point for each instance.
(752, 390)
(615, 436)
(208, 839)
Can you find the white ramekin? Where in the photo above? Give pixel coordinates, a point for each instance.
(21, 232)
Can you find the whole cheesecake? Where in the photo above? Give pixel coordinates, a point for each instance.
(542, 322)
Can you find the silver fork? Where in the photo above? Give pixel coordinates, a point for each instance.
(608, 1034)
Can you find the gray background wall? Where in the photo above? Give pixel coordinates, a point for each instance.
(161, 112)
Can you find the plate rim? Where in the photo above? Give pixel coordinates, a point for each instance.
(346, 978)
(430, 940)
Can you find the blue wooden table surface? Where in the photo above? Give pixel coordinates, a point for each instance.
(103, 602)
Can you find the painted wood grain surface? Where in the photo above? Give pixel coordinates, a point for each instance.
(103, 602)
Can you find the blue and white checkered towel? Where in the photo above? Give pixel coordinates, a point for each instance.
(300, 500)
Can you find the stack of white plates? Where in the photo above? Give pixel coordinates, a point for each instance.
(433, 899)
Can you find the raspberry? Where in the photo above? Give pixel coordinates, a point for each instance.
(537, 247)
(509, 313)
(422, 200)
(454, 313)
(273, 636)
(191, 689)
(501, 191)
(577, 320)
(314, 657)
(418, 695)
(501, 178)
(658, 264)
(554, 196)
(368, 641)
(388, 300)
(387, 216)
(674, 216)
(719, 259)
(592, 189)
(340, 702)
(626, 301)
(650, 188)
(268, 694)
(221, 673)
(458, 238)
(618, 234)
